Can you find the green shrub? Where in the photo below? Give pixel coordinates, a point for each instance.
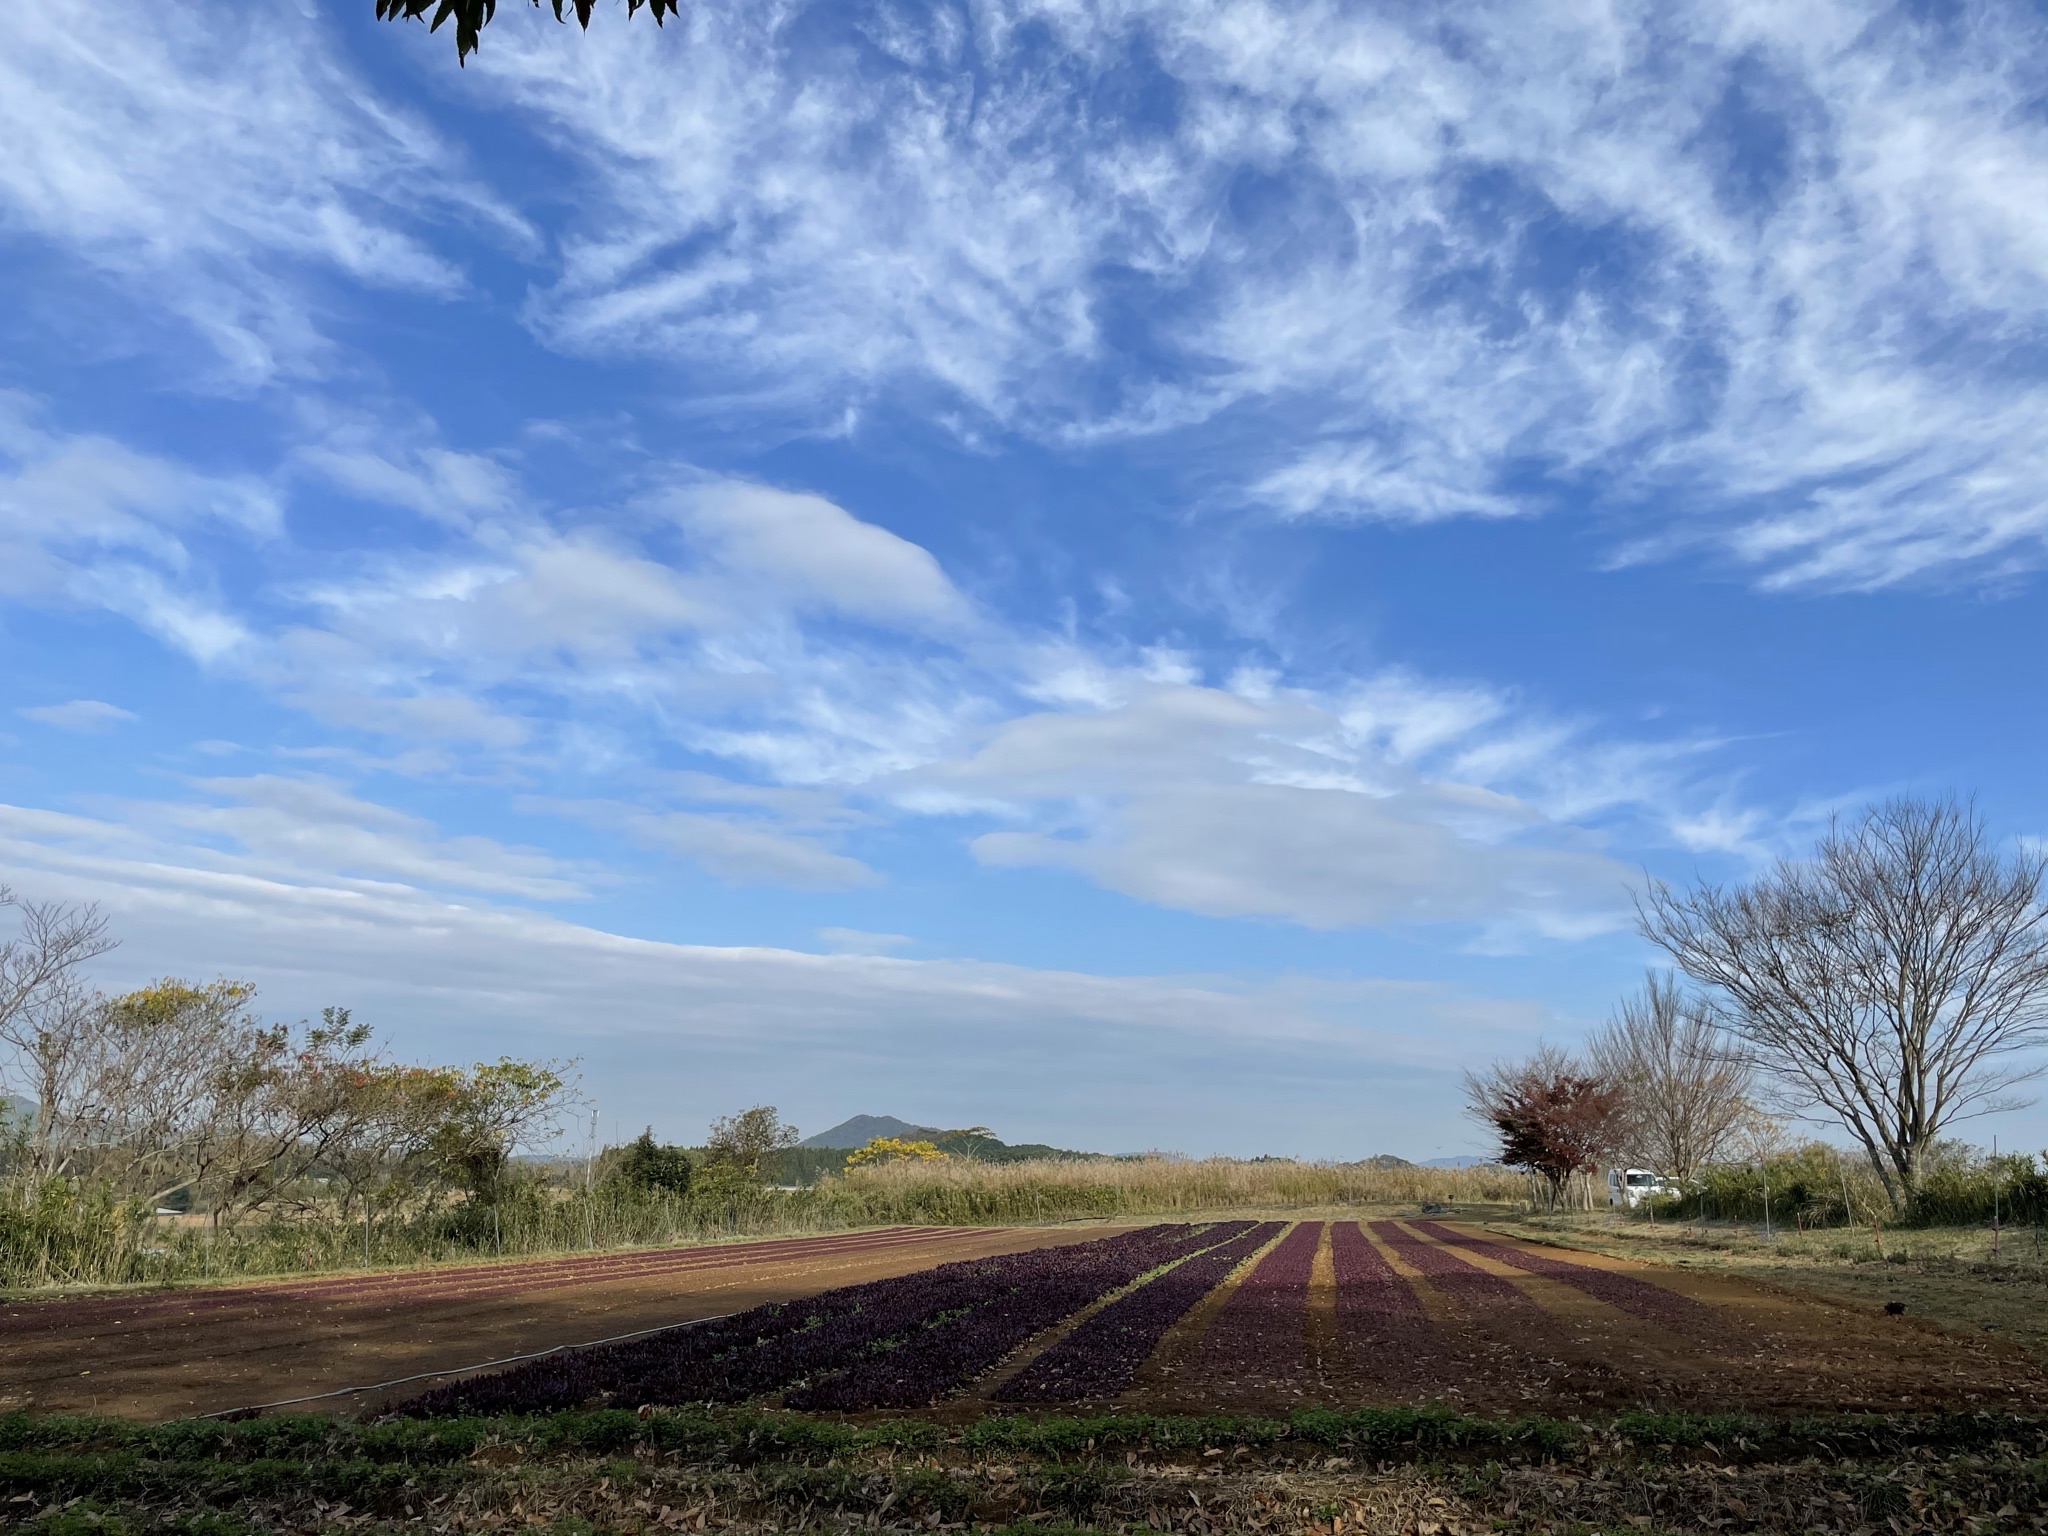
(1821, 1186)
(647, 1167)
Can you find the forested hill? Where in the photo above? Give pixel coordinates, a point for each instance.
(826, 1151)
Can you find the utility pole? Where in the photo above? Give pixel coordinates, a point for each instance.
(589, 1158)
(1995, 1177)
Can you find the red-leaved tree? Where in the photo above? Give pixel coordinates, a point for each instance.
(1554, 1116)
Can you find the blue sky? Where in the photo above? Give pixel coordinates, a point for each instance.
(1142, 575)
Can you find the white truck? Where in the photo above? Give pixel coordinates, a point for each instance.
(1628, 1188)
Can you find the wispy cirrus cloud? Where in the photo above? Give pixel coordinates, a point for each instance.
(87, 715)
(1764, 284)
(208, 163)
(276, 829)
(763, 631)
(1761, 287)
(87, 521)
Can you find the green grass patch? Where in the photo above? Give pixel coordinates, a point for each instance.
(91, 1453)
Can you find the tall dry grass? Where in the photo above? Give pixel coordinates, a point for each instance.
(959, 1192)
(66, 1235)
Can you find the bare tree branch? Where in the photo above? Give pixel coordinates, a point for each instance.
(44, 1003)
(1685, 1087)
(1890, 982)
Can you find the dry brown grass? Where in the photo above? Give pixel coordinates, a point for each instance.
(1002, 1193)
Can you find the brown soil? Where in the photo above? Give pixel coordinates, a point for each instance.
(168, 1354)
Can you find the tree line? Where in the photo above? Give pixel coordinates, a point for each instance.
(179, 1096)
(1891, 985)
(179, 1093)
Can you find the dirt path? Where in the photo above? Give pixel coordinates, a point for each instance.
(165, 1354)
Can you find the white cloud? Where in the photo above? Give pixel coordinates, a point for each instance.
(675, 1033)
(688, 612)
(510, 648)
(1765, 281)
(813, 552)
(1327, 858)
(710, 639)
(266, 828)
(578, 594)
(439, 484)
(740, 850)
(86, 520)
(91, 715)
(858, 941)
(207, 164)
(1209, 802)
(1388, 800)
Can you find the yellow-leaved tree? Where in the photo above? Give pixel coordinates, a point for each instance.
(892, 1149)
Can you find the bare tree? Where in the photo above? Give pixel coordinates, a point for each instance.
(1684, 1090)
(45, 1006)
(1890, 982)
(1554, 1116)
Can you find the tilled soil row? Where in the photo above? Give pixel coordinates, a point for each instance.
(465, 1282)
(274, 1345)
(1427, 1312)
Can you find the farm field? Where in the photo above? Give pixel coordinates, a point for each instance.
(1315, 1377)
(1946, 1275)
(1275, 1316)
(160, 1354)
(1312, 1378)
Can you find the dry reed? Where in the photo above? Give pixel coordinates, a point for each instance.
(961, 1190)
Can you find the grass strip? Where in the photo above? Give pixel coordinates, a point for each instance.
(28, 1443)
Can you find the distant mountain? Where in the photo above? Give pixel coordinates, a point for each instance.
(1459, 1162)
(862, 1129)
(15, 1112)
(976, 1143)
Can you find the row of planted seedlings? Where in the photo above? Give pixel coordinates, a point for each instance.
(1259, 1334)
(903, 1342)
(913, 1340)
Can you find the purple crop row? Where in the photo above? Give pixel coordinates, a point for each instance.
(1380, 1320)
(1261, 1332)
(1467, 1287)
(1639, 1298)
(1370, 1296)
(928, 1363)
(1099, 1358)
(772, 1347)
